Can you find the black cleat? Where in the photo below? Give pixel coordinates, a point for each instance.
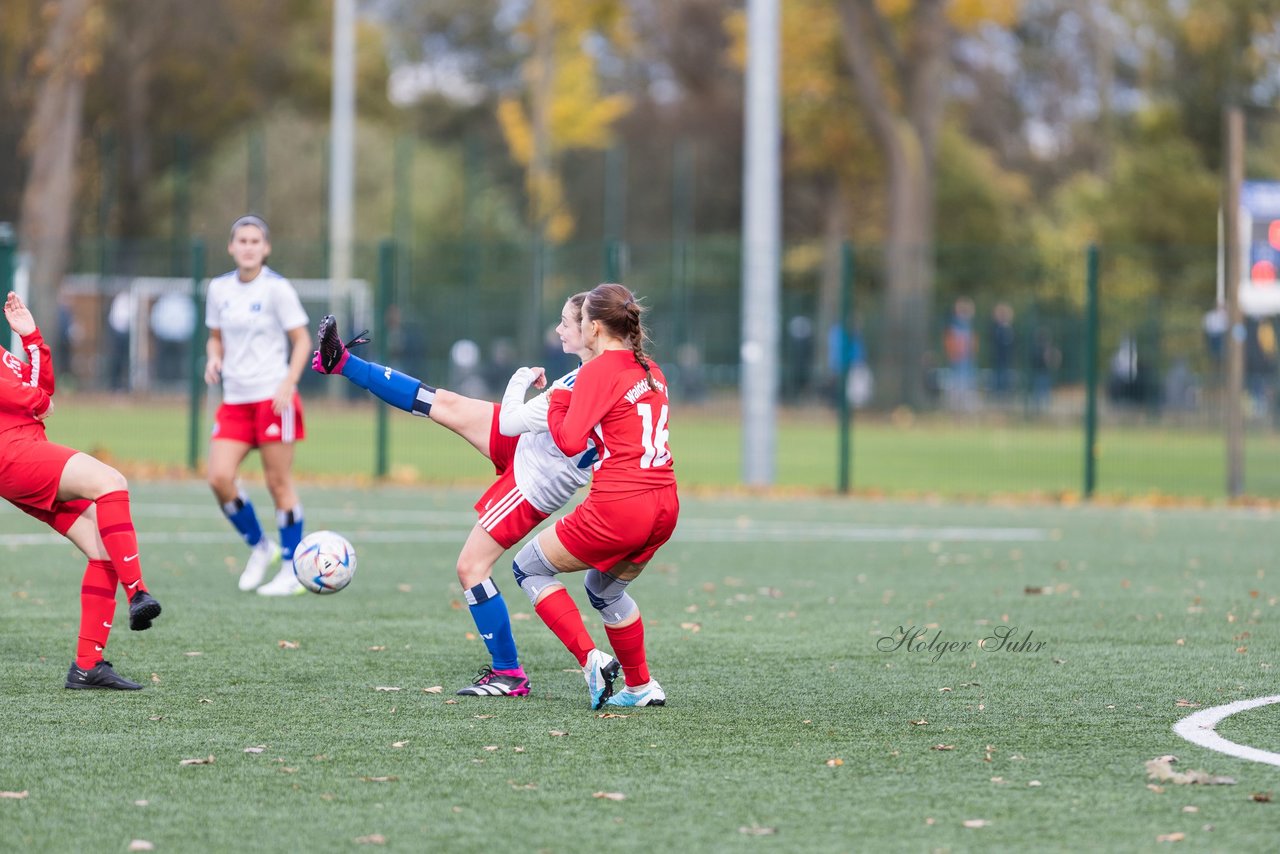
(99, 676)
(143, 608)
(490, 684)
(333, 353)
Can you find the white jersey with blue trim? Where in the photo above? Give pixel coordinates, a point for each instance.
(544, 474)
(253, 318)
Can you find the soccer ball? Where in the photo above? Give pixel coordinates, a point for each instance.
(324, 562)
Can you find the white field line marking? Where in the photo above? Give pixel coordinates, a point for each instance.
(693, 531)
(1198, 728)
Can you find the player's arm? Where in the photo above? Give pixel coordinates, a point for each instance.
(571, 416)
(299, 355)
(213, 357)
(518, 415)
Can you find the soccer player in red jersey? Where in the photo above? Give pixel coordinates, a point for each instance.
(619, 402)
(80, 497)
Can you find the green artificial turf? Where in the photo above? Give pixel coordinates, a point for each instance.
(791, 725)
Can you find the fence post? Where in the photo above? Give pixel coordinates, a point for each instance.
(1091, 374)
(842, 387)
(382, 299)
(195, 375)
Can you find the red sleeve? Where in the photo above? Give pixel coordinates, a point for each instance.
(39, 369)
(572, 416)
(22, 385)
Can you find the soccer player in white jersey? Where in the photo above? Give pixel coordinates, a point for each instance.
(258, 348)
(534, 478)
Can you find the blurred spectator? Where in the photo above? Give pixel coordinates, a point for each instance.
(1260, 362)
(1129, 378)
(69, 334)
(173, 322)
(693, 380)
(405, 342)
(464, 369)
(962, 349)
(849, 352)
(1215, 326)
(1003, 342)
(799, 357)
(1045, 360)
(119, 328)
(502, 364)
(1181, 388)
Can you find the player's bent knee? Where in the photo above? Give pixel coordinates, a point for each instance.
(533, 572)
(609, 596)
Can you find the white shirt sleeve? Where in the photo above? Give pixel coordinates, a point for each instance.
(289, 307)
(517, 416)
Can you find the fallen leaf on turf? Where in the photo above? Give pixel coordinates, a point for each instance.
(377, 649)
(944, 690)
(434, 689)
(15, 795)
(1187, 704)
(404, 588)
(921, 722)
(193, 653)
(1037, 591)
(610, 796)
(470, 635)
(611, 715)
(491, 747)
(141, 803)
(379, 779)
(287, 770)
(399, 743)
(943, 747)
(155, 678)
(208, 760)
(482, 717)
(975, 822)
(558, 732)
(1261, 797)
(523, 786)
(1033, 783)
(286, 644)
(254, 749)
(141, 845)
(1189, 808)
(455, 604)
(1171, 837)
(518, 749)
(754, 829)
(206, 700)
(693, 627)
(835, 762)
(371, 839)
(1159, 790)
(156, 718)
(521, 615)
(386, 688)
(451, 702)
(1161, 771)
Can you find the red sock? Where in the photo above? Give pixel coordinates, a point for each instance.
(628, 646)
(561, 615)
(97, 610)
(115, 524)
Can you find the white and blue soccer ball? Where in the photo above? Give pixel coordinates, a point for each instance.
(324, 562)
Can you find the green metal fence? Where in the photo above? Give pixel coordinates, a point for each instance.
(1088, 372)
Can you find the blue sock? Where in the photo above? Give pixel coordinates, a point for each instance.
(290, 522)
(400, 390)
(239, 511)
(490, 613)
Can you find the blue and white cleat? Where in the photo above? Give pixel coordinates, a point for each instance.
(600, 670)
(648, 694)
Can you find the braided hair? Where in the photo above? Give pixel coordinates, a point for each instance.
(616, 308)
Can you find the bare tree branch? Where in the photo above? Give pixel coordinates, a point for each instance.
(860, 56)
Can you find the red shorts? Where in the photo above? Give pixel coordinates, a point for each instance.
(255, 424)
(605, 533)
(30, 470)
(504, 512)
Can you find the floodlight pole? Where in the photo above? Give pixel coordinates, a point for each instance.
(341, 160)
(1233, 120)
(761, 246)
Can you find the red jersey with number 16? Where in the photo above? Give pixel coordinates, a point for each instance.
(613, 405)
(25, 387)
